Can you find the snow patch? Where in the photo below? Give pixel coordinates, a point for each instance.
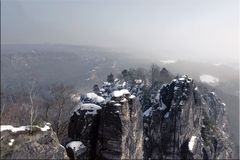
(120, 93)
(213, 93)
(163, 106)
(11, 142)
(211, 80)
(77, 146)
(107, 83)
(123, 100)
(13, 129)
(117, 104)
(46, 127)
(132, 97)
(95, 97)
(191, 143)
(148, 112)
(138, 81)
(166, 115)
(23, 128)
(102, 90)
(75, 97)
(181, 103)
(181, 79)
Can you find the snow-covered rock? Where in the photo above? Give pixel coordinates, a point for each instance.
(19, 143)
(120, 93)
(95, 97)
(77, 147)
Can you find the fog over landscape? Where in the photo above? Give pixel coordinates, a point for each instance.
(198, 30)
(64, 63)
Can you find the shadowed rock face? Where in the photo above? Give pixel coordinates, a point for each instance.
(84, 127)
(181, 122)
(38, 145)
(121, 130)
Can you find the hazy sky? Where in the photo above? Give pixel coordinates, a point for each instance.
(173, 28)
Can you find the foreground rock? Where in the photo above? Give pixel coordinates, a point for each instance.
(18, 143)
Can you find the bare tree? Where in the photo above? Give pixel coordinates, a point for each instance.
(33, 106)
(60, 108)
(2, 103)
(155, 73)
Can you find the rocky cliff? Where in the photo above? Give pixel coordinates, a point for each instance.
(186, 124)
(180, 121)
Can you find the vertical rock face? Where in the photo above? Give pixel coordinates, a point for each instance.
(120, 131)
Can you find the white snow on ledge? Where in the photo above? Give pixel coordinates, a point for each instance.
(13, 129)
(89, 107)
(191, 143)
(23, 128)
(205, 78)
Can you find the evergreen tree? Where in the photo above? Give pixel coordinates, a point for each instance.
(110, 78)
(96, 89)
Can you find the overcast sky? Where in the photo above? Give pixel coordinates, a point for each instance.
(169, 28)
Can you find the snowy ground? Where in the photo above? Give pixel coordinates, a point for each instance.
(23, 128)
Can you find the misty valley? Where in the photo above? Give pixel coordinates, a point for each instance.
(85, 102)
